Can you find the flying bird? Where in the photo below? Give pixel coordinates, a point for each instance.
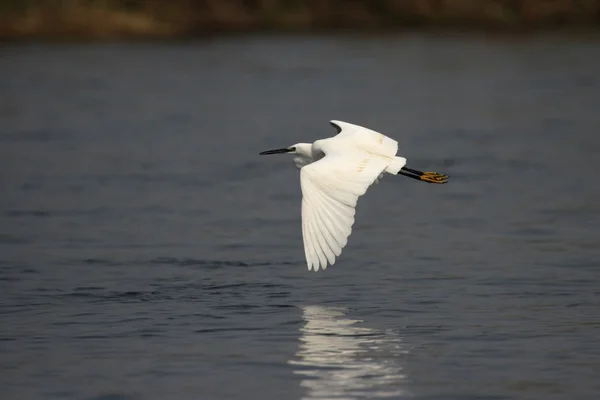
(334, 173)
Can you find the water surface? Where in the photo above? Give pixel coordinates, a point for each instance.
(148, 252)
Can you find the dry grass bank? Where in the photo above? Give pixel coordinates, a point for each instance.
(122, 19)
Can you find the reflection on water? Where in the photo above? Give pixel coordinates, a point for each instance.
(338, 358)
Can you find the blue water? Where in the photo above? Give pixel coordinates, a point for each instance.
(148, 252)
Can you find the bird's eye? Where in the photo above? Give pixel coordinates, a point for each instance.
(292, 148)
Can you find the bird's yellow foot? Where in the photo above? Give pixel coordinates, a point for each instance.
(434, 177)
(431, 177)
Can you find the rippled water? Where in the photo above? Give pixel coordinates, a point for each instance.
(148, 252)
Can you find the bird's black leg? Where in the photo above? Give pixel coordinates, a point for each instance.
(431, 177)
(409, 174)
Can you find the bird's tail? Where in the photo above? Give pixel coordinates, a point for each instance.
(396, 165)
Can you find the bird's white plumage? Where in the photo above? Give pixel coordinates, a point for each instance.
(366, 139)
(342, 170)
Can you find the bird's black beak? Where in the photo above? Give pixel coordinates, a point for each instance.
(276, 151)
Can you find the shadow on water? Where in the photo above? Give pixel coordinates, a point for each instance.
(338, 358)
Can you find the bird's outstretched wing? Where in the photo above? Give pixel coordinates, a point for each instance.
(365, 138)
(330, 190)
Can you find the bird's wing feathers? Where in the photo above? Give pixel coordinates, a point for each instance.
(366, 139)
(330, 190)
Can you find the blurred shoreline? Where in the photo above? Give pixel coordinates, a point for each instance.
(179, 19)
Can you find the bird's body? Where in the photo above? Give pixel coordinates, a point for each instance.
(334, 173)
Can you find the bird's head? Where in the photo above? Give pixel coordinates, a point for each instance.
(299, 149)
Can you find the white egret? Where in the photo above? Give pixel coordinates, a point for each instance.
(334, 173)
